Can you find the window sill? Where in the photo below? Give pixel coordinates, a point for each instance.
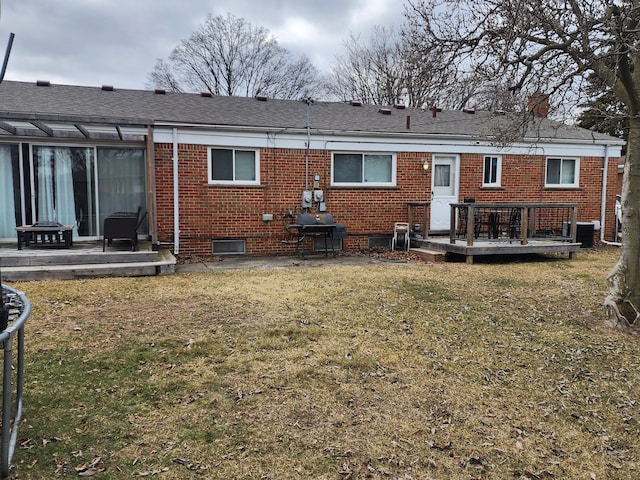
(492, 187)
(561, 187)
(364, 187)
(233, 185)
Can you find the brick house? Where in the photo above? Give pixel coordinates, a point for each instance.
(217, 174)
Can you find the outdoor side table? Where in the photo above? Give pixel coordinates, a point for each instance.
(48, 232)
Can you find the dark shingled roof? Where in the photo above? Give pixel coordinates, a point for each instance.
(66, 102)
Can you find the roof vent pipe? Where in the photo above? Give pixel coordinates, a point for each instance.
(408, 122)
(434, 111)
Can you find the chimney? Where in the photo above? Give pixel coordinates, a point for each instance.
(538, 105)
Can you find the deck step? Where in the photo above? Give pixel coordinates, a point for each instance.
(57, 258)
(428, 255)
(164, 264)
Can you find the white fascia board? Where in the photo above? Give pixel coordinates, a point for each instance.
(259, 138)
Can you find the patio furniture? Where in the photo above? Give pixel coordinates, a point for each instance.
(47, 232)
(122, 226)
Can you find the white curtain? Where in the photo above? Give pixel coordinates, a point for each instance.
(56, 199)
(46, 207)
(65, 197)
(7, 203)
(442, 176)
(121, 174)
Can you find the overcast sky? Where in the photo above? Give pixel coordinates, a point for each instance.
(117, 42)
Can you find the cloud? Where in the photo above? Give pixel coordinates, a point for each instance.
(117, 42)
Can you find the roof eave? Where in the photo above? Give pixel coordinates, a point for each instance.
(362, 133)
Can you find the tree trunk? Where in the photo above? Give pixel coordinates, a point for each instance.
(623, 300)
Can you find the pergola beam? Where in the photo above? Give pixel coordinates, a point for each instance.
(43, 127)
(82, 130)
(9, 128)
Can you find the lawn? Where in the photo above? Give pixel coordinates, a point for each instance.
(397, 371)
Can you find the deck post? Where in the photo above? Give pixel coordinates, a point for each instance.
(452, 225)
(524, 225)
(574, 230)
(531, 215)
(470, 224)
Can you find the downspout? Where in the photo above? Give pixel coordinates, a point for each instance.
(176, 198)
(603, 200)
(306, 156)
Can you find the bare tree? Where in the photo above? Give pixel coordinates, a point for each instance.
(389, 68)
(369, 72)
(163, 77)
(551, 46)
(383, 71)
(229, 56)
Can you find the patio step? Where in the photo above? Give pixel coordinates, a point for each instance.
(161, 264)
(428, 255)
(69, 257)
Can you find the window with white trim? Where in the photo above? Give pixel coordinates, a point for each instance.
(358, 169)
(234, 166)
(562, 172)
(492, 171)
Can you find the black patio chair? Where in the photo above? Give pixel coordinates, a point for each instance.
(122, 226)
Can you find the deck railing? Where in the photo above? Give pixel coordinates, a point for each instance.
(513, 222)
(19, 310)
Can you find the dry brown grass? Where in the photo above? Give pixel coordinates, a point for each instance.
(400, 371)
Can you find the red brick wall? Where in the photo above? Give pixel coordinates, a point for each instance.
(209, 212)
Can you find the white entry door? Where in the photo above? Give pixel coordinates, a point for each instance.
(444, 191)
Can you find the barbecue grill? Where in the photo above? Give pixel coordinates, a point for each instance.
(316, 225)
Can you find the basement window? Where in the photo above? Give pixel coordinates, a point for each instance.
(234, 166)
(318, 244)
(379, 241)
(229, 247)
(364, 169)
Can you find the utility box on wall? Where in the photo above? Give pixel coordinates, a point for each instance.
(307, 199)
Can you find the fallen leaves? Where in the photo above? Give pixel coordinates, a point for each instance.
(149, 473)
(91, 468)
(403, 371)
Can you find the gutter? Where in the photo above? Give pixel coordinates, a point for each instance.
(321, 131)
(176, 198)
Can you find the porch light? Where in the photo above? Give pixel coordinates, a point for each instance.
(425, 165)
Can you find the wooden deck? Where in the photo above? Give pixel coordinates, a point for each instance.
(488, 247)
(83, 259)
(509, 229)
